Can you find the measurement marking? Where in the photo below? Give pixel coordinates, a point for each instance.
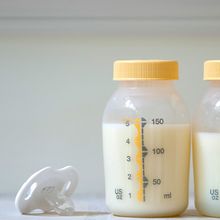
(140, 157)
(144, 153)
(167, 195)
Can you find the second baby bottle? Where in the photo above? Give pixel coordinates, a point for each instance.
(146, 141)
(206, 144)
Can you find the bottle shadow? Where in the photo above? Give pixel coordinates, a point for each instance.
(193, 213)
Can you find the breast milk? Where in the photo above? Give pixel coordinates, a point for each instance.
(206, 151)
(165, 165)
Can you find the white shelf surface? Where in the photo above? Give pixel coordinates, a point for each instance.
(87, 207)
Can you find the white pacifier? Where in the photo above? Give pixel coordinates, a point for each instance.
(48, 190)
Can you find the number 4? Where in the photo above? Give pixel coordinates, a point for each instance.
(128, 141)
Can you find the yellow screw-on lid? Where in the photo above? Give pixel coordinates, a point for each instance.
(212, 70)
(145, 70)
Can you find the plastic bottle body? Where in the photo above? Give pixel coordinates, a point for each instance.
(206, 151)
(146, 141)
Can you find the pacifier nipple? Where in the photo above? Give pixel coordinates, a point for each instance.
(48, 190)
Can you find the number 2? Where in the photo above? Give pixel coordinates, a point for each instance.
(127, 123)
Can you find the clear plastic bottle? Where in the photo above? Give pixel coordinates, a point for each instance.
(146, 141)
(206, 145)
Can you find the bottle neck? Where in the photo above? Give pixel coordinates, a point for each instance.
(146, 83)
(215, 83)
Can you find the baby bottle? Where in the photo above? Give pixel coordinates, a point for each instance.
(206, 145)
(146, 141)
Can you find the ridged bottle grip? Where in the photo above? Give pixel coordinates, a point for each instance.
(145, 70)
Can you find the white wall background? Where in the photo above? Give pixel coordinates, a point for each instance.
(56, 77)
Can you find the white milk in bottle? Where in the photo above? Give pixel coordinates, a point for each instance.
(146, 141)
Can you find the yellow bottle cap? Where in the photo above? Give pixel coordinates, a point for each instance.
(145, 70)
(212, 70)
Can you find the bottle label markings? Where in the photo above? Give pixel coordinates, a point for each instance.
(140, 157)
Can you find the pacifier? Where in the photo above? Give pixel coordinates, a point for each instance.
(48, 190)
